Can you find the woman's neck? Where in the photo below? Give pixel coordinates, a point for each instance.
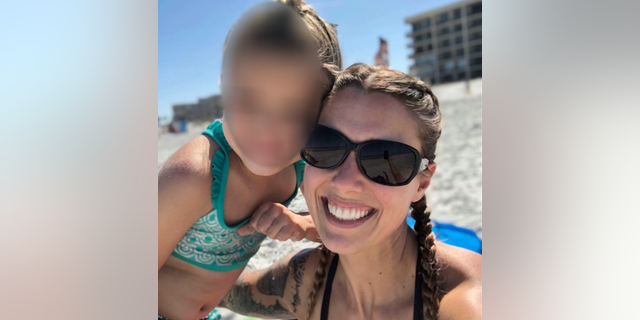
(383, 275)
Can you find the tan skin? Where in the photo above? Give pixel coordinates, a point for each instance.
(268, 99)
(376, 270)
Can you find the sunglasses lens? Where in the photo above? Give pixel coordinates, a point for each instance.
(388, 163)
(324, 149)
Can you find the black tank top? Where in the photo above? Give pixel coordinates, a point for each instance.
(417, 301)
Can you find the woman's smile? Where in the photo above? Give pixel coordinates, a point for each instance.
(345, 214)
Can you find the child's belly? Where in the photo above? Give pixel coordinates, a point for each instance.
(186, 291)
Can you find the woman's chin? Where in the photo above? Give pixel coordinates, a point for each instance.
(341, 244)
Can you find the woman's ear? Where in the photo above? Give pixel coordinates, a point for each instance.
(424, 179)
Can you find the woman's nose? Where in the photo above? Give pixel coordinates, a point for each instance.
(348, 177)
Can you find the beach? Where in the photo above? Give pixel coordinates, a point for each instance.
(455, 193)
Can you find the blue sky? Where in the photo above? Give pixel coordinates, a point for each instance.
(191, 35)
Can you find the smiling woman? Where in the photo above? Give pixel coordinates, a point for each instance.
(379, 267)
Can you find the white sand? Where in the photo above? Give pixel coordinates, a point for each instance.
(455, 193)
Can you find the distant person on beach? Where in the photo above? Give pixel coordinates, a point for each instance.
(280, 61)
(382, 57)
(369, 160)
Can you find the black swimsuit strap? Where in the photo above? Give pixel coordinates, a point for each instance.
(327, 290)
(417, 301)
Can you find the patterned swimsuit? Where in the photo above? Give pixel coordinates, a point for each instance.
(210, 243)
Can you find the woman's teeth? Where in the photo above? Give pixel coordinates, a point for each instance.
(347, 213)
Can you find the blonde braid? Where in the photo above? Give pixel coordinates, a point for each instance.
(319, 278)
(431, 294)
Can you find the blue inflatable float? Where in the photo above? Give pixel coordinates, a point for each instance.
(454, 235)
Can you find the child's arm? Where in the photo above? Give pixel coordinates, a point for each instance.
(278, 222)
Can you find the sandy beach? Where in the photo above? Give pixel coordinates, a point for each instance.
(455, 194)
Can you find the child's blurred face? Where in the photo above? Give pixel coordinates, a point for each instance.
(271, 101)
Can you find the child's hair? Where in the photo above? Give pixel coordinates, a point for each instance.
(419, 99)
(287, 26)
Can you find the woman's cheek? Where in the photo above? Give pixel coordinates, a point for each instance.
(393, 200)
(310, 179)
(313, 178)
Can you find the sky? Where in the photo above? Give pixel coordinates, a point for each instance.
(191, 35)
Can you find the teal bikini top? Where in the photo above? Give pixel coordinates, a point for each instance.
(210, 243)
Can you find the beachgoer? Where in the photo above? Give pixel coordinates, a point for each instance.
(382, 57)
(279, 64)
(378, 267)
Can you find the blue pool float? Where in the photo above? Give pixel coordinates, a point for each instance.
(454, 235)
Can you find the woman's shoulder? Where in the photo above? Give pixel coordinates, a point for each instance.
(278, 291)
(461, 270)
(462, 264)
(300, 272)
(304, 266)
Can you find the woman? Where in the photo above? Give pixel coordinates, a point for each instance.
(371, 264)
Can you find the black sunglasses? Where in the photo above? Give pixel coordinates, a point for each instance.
(389, 163)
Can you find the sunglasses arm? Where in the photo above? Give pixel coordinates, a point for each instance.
(423, 164)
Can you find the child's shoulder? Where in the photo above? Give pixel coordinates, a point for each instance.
(185, 178)
(192, 159)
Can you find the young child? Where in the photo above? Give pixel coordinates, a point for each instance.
(279, 64)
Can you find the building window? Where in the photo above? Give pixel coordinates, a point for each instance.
(477, 49)
(425, 71)
(458, 40)
(476, 23)
(476, 74)
(462, 64)
(458, 27)
(445, 43)
(443, 31)
(476, 36)
(419, 49)
(462, 75)
(444, 17)
(456, 13)
(418, 38)
(476, 8)
(460, 52)
(448, 66)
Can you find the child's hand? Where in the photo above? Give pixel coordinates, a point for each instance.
(278, 222)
